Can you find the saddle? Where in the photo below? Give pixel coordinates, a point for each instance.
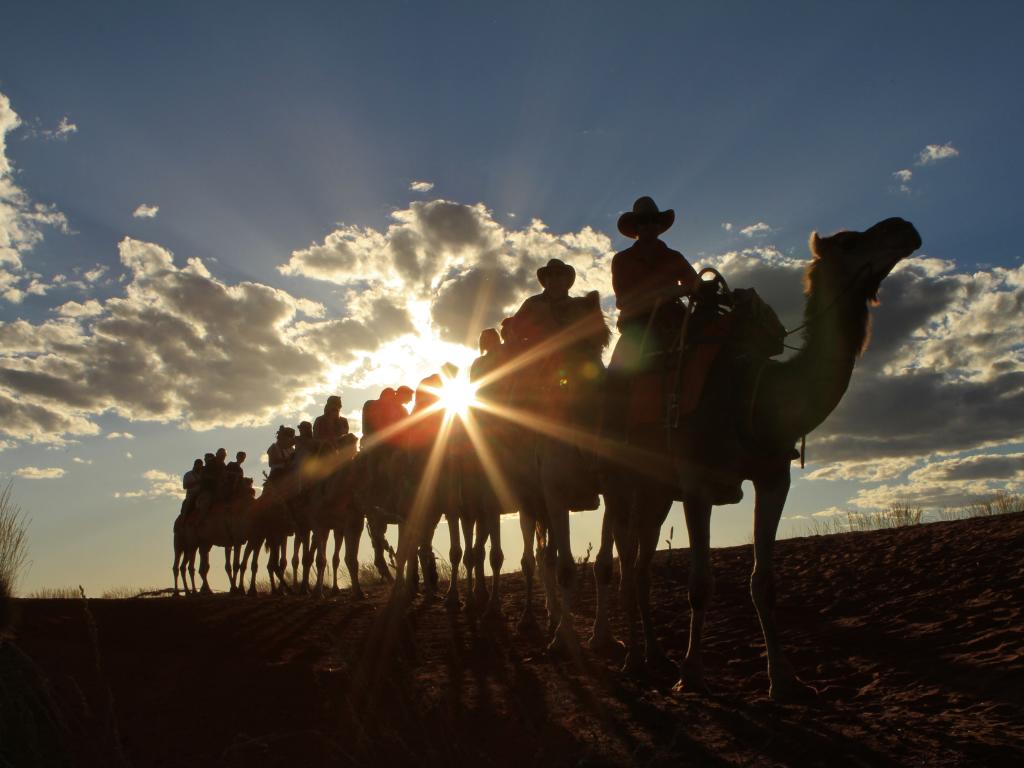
(738, 332)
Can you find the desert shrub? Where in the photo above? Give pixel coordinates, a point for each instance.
(55, 593)
(13, 542)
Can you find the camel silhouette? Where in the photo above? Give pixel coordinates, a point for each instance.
(787, 400)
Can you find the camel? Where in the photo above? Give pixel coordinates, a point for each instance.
(480, 516)
(221, 524)
(212, 523)
(271, 525)
(184, 555)
(431, 490)
(426, 476)
(337, 507)
(552, 473)
(784, 402)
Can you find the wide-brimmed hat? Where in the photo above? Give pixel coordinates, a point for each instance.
(645, 209)
(555, 265)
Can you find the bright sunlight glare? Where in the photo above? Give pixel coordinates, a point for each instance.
(457, 394)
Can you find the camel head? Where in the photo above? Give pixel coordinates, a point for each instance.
(859, 261)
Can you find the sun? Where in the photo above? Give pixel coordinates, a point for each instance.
(457, 394)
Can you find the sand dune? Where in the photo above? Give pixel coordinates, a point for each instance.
(913, 636)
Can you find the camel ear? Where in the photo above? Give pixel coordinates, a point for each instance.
(813, 244)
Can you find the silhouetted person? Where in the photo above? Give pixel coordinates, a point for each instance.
(543, 314)
(279, 455)
(191, 482)
(210, 475)
(650, 280)
(329, 428)
(234, 474)
(485, 365)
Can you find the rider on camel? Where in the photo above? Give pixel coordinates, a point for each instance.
(191, 482)
(234, 475)
(279, 455)
(329, 428)
(649, 280)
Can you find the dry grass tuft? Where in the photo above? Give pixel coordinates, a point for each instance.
(55, 593)
(13, 542)
(903, 514)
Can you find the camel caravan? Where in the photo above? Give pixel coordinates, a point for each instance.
(692, 403)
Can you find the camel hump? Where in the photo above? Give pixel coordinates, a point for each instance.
(757, 331)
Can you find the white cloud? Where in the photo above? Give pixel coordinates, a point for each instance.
(176, 345)
(120, 435)
(760, 229)
(80, 460)
(933, 153)
(90, 308)
(63, 130)
(830, 512)
(145, 211)
(22, 220)
(421, 186)
(39, 473)
(160, 485)
(903, 176)
(727, 226)
(467, 267)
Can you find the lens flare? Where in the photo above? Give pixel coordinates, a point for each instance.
(457, 394)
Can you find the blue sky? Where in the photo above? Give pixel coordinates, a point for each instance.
(264, 130)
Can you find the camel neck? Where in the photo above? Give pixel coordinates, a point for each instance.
(801, 392)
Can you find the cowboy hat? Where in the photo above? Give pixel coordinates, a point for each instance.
(645, 209)
(553, 266)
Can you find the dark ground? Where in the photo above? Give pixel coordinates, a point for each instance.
(913, 636)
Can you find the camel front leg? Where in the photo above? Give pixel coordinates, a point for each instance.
(527, 524)
(190, 557)
(497, 559)
(179, 551)
(204, 569)
(237, 582)
(308, 551)
(320, 547)
(770, 498)
(252, 547)
(378, 538)
(227, 567)
(466, 521)
(700, 588)
(656, 509)
(565, 572)
(336, 558)
(455, 559)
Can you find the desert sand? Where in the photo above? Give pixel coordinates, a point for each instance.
(912, 636)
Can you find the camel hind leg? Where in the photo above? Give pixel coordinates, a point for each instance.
(770, 498)
(527, 525)
(352, 534)
(614, 520)
(562, 562)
